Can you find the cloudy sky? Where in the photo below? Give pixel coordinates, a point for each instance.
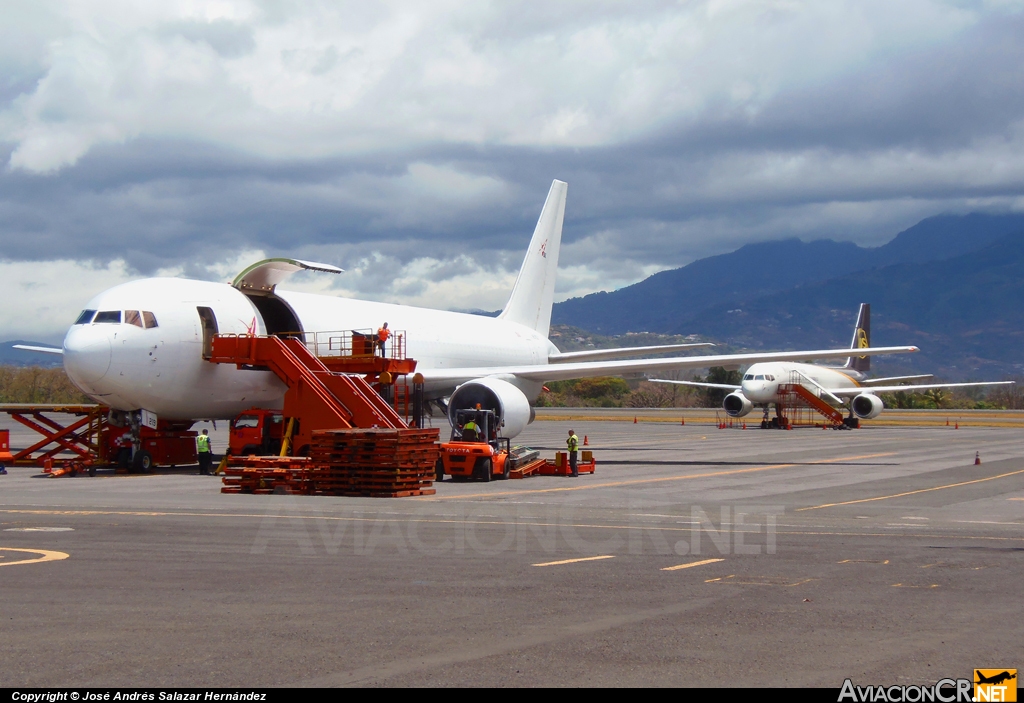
(413, 143)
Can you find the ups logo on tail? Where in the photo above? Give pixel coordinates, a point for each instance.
(862, 340)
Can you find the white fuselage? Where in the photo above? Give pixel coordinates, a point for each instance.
(161, 368)
(761, 382)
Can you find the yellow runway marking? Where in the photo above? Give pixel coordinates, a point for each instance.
(444, 521)
(910, 493)
(573, 561)
(47, 555)
(908, 585)
(639, 481)
(758, 581)
(692, 563)
(862, 561)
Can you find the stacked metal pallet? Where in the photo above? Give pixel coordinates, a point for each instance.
(268, 475)
(379, 462)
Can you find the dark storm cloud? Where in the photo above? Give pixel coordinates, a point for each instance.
(899, 138)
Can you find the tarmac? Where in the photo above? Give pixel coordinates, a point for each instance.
(693, 557)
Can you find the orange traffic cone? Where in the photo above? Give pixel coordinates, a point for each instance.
(947, 422)
(682, 421)
(977, 458)
(634, 419)
(586, 442)
(744, 425)
(956, 426)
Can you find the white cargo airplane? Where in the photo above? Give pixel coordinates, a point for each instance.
(837, 386)
(139, 346)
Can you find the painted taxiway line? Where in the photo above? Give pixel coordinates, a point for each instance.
(574, 561)
(910, 493)
(47, 555)
(691, 564)
(644, 481)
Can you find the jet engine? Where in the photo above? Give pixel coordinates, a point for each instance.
(867, 406)
(737, 405)
(509, 404)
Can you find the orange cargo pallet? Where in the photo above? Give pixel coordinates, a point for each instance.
(526, 470)
(557, 468)
(391, 494)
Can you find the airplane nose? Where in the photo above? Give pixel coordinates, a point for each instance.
(86, 353)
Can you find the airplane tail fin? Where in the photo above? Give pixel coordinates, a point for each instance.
(861, 339)
(534, 291)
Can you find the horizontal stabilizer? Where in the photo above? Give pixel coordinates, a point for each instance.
(44, 350)
(623, 352)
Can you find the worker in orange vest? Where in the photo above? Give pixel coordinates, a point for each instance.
(383, 334)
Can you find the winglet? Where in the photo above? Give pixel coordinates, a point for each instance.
(534, 291)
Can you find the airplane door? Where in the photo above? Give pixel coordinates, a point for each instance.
(208, 321)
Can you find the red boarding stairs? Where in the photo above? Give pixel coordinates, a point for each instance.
(319, 398)
(796, 393)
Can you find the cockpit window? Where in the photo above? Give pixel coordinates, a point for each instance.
(759, 377)
(85, 318)
(769, 377)
(749, 377)
(150, 320)
(107, 316)
(132, 317)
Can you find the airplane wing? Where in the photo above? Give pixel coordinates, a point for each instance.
(723, 386)
(44, 350)
(542, 373)
(622, 352)
(911, 389)
(894, 379)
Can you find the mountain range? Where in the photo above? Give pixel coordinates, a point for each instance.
(950, 284)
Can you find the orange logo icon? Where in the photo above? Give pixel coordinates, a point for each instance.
(995, 685)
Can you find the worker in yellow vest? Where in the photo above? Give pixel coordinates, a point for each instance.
(204, 452)
(573, 444)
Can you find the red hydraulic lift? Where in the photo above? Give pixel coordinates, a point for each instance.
(90, 439)
(81, 437)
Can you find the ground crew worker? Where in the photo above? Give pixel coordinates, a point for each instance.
(573, 443)
(204, 453)
(469, 431)
(383, 333)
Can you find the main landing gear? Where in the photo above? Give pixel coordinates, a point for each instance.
(779, 422)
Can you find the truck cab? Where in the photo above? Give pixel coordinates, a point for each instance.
(257, 431)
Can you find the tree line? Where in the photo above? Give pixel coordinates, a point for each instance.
(612, 392)
(35, 384)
